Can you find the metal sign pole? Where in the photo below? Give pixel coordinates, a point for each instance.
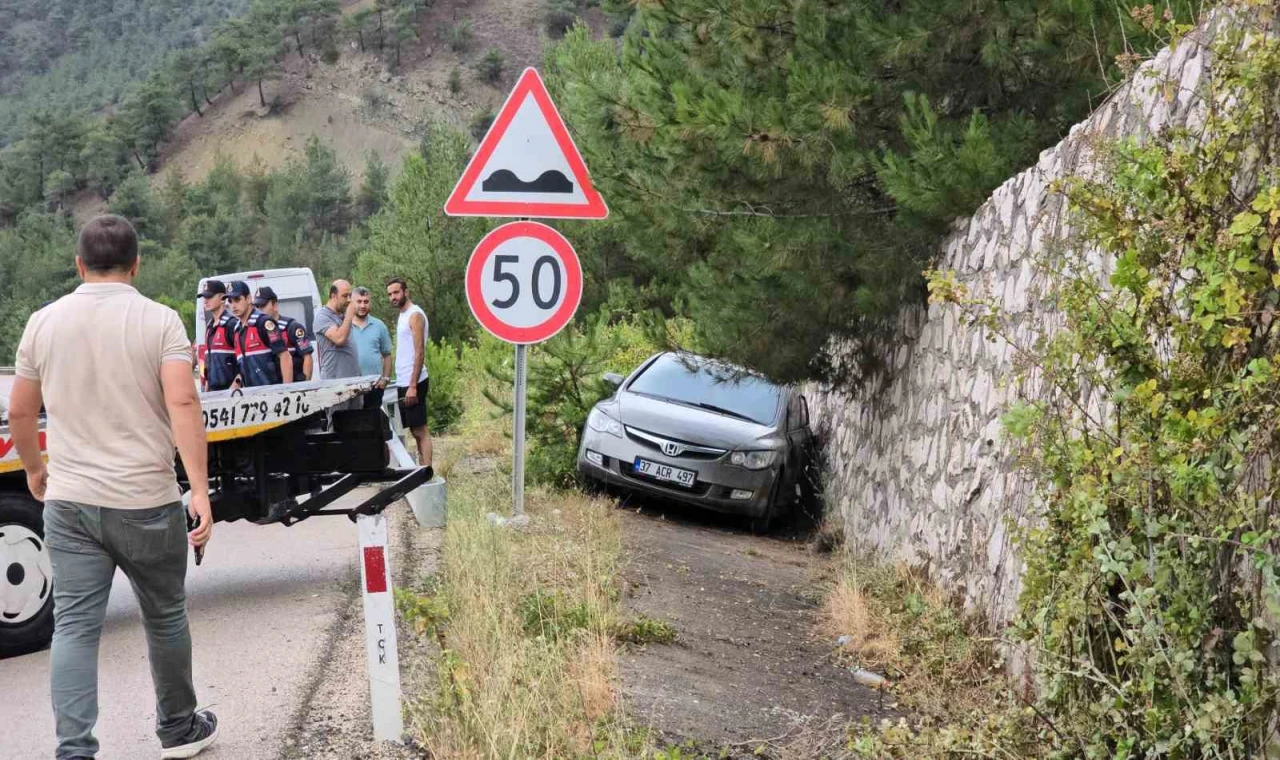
(517, 470)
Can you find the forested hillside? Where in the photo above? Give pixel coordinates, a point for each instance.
(80, 55)
(778, 174)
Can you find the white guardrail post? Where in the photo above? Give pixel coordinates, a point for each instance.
(380, 628)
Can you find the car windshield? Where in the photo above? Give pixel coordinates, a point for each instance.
(710, 385)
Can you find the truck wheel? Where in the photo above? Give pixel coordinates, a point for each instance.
(26, 577)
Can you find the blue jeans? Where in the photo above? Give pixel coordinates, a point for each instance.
(86, 545)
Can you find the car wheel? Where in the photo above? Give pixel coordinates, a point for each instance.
(26, 577)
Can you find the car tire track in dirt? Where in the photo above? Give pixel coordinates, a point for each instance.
(746, 671)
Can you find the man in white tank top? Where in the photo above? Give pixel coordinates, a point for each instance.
(412, 382)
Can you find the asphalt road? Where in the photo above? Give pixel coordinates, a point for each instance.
(264, 609)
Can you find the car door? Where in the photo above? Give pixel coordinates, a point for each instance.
(799, 441)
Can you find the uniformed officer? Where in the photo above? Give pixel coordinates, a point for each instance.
(220, 366)
(296, 337)
(260, 349)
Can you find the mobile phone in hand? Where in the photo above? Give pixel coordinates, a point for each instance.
(192, 524)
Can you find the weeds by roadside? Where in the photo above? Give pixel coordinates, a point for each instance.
(942, 665)
(526, 623)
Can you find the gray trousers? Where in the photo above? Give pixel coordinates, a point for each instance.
(86, 545)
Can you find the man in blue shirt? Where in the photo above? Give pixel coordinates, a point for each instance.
(373, 344)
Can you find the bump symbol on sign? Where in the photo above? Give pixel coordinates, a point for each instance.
(527, 164)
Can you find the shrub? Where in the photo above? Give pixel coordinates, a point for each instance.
(645, 630)
(461, 35)
(444, 401)
(480, 124)
(490, 67)
(559, 15)
(374, 99)
(553, 615)
(1151, 580)
(330, 55)
(455, 80)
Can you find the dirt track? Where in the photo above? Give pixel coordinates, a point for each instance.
(746, 672)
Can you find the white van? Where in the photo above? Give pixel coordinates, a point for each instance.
(296, 289)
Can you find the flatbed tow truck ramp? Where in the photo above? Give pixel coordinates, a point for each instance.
(277, 454)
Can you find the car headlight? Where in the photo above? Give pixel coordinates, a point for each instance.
(752, 460)
(603, 423)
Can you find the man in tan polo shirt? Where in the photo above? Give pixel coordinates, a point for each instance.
(113, 370)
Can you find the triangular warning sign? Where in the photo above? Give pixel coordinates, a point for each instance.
(527, 164)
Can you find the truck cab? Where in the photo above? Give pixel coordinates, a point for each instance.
(296, 288)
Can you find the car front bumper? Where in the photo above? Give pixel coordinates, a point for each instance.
(716, 479)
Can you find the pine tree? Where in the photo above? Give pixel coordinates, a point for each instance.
(373, 190)
(186, 69)
(149, 114)
(784, 168)
(413, 239)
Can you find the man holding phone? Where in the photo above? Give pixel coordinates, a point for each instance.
(113, 370)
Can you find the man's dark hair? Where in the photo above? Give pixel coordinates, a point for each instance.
(397, 281)
(107, 243)
(333, 289)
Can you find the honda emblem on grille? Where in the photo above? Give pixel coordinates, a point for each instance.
(672, 449)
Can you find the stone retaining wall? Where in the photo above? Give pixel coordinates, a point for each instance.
(917, 466)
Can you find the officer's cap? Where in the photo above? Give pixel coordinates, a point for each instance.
(238, 289)
(264, 296)
(213, 288)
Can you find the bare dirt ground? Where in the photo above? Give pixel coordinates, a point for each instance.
(747, 675)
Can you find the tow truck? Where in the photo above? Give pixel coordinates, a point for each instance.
(277, 454)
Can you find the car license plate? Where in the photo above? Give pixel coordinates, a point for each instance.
(666, 472)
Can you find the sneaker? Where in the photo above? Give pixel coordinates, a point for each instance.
(204, 731)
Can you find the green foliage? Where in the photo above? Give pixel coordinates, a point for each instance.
(455, 80)
(134, 201)
(60, 140)
(374, 187)
(552, 615)
(308, 201)
(411, 237)
(480, 124)
(444, 402)
(781, 173)
(77, 56)
(559, 15)
(299, 215)
(490, 67)
(37, 264)
(565, 381)
(426, 613)
(1152, 585)
(645, 630)
(461, 35)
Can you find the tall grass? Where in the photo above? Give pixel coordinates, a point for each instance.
(526, 623)
(891, 619)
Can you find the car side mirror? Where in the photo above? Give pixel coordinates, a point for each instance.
(614, 379)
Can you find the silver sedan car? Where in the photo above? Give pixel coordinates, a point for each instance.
(701, 432)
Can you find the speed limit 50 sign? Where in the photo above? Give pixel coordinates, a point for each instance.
(524, 282)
